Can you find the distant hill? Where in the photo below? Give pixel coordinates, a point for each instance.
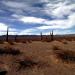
(36, 37)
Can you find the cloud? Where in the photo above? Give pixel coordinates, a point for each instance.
(46, 8)
(14, 4)
(47, 14)
(10, 33)
(63, 10)
(54, 9)
(32, 20)
(49, 24)
(60, 24)
(57, 32)
(31, 31)
(3, 29)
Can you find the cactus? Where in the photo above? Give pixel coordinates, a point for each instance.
(52, 36)
(15, 38)
(46, 37)
(7, 34)
(41, 36)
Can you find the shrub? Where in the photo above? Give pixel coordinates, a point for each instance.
(66, 56)
(26, 64)
(11, 43)
(10, 51)
(29, 41)
(1, 41)
(54, 47)
(23, 41)
(65, 42)
(30, 63)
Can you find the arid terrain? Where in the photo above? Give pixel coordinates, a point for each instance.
(38, 58)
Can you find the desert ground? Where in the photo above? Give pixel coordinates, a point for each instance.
(38, 58)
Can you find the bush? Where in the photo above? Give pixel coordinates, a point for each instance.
(30, 63)
(10, 51)
(55, 47)
(26, 64)
(65, 42)
(11, 43)
(1, 41)
(66, 56)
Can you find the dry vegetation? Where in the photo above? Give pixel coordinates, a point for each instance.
(37, 58)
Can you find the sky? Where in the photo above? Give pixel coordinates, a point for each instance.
(30, 17)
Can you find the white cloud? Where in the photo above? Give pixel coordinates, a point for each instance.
(52, 8)
(63, 10)
(35, 20)
(16, 16)
(60, 32)
(26, 19)
(17, 7)
(55, 24)
(10, 33)
(14, 4)
(27, 31)
(61, 24)
(47, 24)
(56, 32)
(13, 33)
(13, 29)
(3, 29)
(71, 19)
(60, 9)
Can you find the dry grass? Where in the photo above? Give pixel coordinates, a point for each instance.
(55, 47)
(66, 56)
(64, 41)
(29, 64)
(9, 50)
(39, 58)
(11, 43)
(63, 54)
(1, 41)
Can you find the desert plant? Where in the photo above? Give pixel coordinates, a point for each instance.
(55, 47)
(11, 43)
(52, 36)
(47, 38)
(7, 35)
(30, 63)
(1, 41)
(65, 41)
(10, 51)
(26, 63)
(14, 52)
(29, 41)
(24, 41)
(16, 38)
(41, 36)
(66, 56)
